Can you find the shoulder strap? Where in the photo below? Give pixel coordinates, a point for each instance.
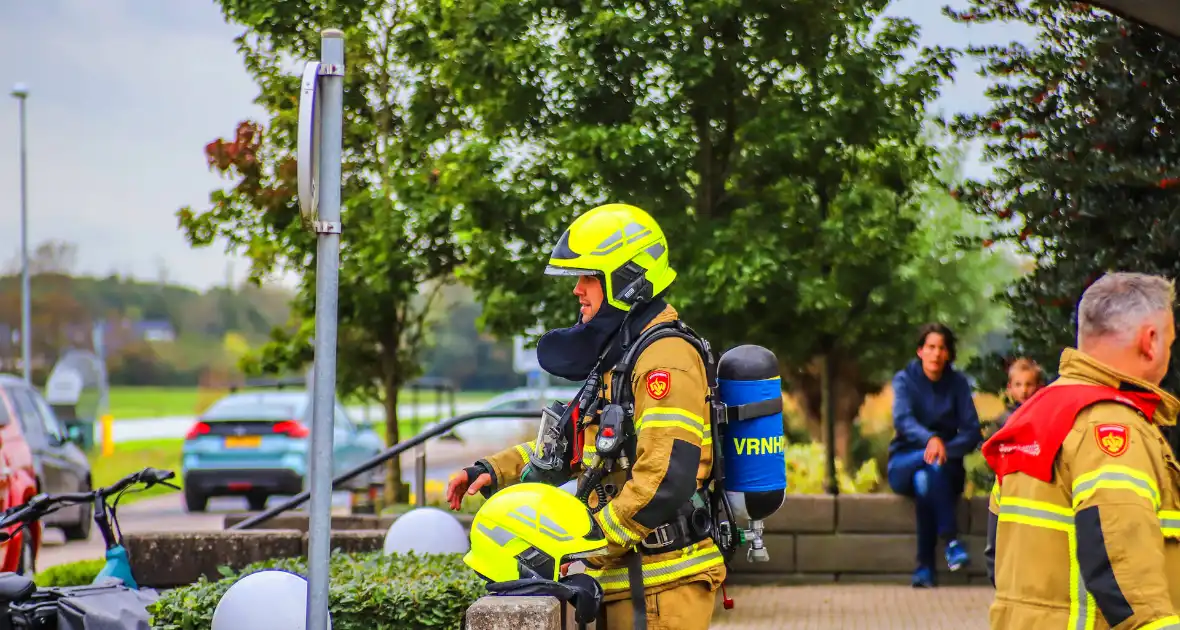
(621, 392)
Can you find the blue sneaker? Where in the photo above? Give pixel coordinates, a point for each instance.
(923, 578)
(956, 555)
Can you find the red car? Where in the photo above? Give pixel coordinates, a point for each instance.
(18, 478)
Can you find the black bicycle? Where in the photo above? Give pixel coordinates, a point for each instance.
(114, 601)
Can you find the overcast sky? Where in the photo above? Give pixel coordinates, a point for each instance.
(126, 93)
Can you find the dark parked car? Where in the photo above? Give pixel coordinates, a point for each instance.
(59, 465)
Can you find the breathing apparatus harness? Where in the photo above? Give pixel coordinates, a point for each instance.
(559, 446)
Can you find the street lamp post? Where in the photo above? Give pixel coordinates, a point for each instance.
(21, 92)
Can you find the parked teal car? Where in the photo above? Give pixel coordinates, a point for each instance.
(255, 444)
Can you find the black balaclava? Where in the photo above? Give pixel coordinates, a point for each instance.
(572, 353)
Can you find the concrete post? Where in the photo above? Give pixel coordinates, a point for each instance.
(507, 612)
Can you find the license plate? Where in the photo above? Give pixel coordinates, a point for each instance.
(244, 441)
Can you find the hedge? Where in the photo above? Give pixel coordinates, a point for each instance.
(70, 574)
(366, 591)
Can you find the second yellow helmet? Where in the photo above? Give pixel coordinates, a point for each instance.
(531, 529)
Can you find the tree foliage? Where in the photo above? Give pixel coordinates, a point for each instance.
(400, 191)
(781, 147)
(1083, 128)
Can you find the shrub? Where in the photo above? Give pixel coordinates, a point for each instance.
(70, 574)
(866, 445)
(807, 467)
(979, 475)
(367, 591)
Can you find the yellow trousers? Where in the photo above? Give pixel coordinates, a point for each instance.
(685, 607)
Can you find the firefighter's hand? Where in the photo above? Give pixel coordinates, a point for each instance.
(935, 451)
(459, 486)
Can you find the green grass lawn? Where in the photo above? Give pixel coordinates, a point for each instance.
(131, 457)
(153, 402)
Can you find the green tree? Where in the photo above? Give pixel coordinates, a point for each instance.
(1083, 129)
(401, 192)
(781, 146)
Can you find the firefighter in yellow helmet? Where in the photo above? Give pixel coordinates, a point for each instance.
(652, 507)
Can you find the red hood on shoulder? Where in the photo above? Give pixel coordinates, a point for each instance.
(1033, 435)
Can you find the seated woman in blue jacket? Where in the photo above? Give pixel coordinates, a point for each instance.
(935, 426)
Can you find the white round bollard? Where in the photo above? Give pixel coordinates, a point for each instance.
(266, 600)
(426, 530)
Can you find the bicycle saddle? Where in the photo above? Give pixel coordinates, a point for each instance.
(15, 587)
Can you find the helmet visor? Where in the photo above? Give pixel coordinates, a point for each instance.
(553, 270)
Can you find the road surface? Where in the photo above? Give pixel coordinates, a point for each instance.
(167, 513)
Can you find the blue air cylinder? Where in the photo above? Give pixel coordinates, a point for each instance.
(755, 446)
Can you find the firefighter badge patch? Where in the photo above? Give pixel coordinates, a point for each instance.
(1113, 439)
(659, 383)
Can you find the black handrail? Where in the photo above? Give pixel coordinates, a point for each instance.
(389, 453)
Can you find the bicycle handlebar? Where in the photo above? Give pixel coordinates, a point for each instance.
(40, 505)
(149, 476)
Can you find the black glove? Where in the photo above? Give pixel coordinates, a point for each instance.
(481, 468)
(579, 589)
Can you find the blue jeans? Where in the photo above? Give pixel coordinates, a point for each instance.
(935, 490)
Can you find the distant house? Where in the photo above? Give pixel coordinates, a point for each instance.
(113, 335)
(154, 330)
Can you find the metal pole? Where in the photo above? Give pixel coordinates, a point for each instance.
(327, 287)
(26, 333)
(414, 413)
(420, 467)
(420, 475)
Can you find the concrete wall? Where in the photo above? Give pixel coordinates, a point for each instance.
(812, 539)
(856, 538)
(171, 559)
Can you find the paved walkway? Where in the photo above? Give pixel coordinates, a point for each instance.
(854, 607)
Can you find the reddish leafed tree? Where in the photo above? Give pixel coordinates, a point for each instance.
(1083, 129)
